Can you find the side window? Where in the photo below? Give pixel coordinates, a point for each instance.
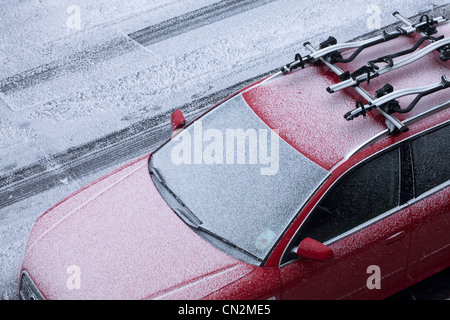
(366, 192)
(431, 155)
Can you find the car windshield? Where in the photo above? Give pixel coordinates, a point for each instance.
(234, 180)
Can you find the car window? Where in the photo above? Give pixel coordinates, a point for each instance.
(361, 195)
(242, 207)
(431, 154)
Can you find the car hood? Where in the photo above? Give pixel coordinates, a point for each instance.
(118, 239)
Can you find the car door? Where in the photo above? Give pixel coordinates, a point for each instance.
(430, 208)
(362, 219)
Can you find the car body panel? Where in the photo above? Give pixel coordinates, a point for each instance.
(263, 284)
(345, 277)
(430, 238)
(127, 244)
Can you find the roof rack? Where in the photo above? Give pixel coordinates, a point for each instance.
(329, 49)
(371, 71)
(384, 101)
(391, 122)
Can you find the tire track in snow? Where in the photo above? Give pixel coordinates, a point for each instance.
(194, 19)
(118, 46)
(74, 62)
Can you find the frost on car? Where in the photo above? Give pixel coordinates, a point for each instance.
(241, 208)
(299, 186)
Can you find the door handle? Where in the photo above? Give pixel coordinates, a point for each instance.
(396, 237)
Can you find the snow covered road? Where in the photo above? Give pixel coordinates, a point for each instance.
(86, 86)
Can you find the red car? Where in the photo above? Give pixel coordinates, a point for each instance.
(278, 192)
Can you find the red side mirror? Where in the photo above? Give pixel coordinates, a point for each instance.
(177, 120)
(314, 250)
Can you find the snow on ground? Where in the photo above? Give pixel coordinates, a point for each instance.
(66, 81)
(74, 86)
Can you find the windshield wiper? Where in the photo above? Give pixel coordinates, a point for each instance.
(186, 214)
(227, 242)
(191, 219)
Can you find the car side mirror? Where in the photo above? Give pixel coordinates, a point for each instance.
(314, 250)
(177, 120)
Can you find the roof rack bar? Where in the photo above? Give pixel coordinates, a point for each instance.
(427, 113)
(371, 72)
(423, 27)
(326, 50)
(385, 99)
(391, 121)
(406, 21)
